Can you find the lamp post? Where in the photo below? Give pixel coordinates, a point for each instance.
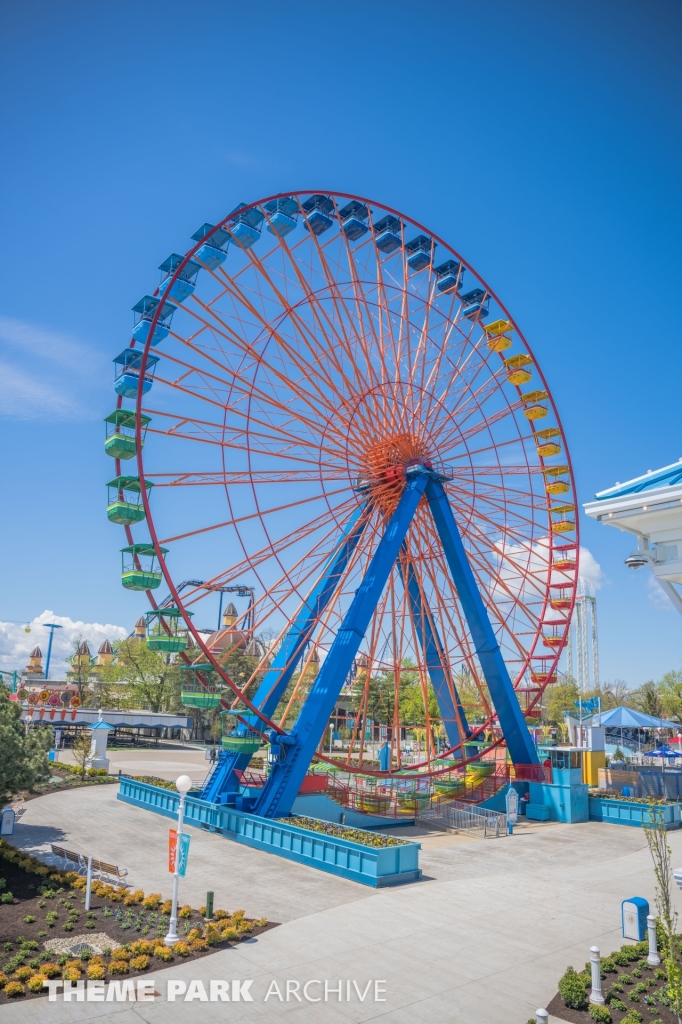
(51, 626)
(183, 785)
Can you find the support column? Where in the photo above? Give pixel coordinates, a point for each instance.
(520, 745)
(297, 749)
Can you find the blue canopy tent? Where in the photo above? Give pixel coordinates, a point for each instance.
(663, 752)
(630, 721)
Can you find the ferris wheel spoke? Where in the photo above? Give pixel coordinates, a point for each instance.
(295, 439)
(237, 520)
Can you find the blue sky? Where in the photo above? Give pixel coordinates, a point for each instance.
(541, 139)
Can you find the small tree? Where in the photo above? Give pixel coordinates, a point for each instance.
(23, 755)
(657, 839)
(81, 751)
(573, 990)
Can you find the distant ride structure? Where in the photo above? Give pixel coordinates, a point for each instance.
(332, 412)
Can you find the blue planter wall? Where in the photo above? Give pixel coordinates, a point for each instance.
(620, 812)
(378, 867)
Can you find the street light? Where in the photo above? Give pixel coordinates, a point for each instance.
(183, 786)
(51, 626)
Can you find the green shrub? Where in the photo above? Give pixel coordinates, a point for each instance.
(617, 1004)
(573, 990)
(631, 952)
(608, 964)
(636, 973)
(626, 979)
(632, 1017)
(660, 974)
(616, 987)
(600, 1014)
(641, 987)
(620, 958)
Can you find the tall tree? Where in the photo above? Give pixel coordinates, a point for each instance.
(23, 755)
(647, 698)
(152, 679)
(670, 689)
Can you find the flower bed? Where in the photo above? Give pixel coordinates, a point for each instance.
(154, 780)
(634, 991)
(351, 835)
(45, 931)
(613, 794)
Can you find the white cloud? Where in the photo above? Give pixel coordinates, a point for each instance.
(590, 569)
(657, 595)
(44, 373)
(16, 645)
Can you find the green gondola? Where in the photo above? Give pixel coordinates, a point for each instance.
(127, 509)
(139, 571)
(121, 443)
(166, 630)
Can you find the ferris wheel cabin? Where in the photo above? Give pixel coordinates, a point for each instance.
(185, 282)
(318, 209)
(450, 275)
(475, 304)
(127, 373)
(245, 228)
(282, 216)
(120, 443)
(213, 252)
(419, 252)
(144, 311)
(354, 219)
(124, 501)
(166, 630)
(139, 568)
(388, 234)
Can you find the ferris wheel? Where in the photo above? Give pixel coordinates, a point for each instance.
(329, 407)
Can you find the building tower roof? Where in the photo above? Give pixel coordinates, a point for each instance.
(105, 648)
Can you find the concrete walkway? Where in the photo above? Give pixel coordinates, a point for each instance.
(166, 763)
(484, 938)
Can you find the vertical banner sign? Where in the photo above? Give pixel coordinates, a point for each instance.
(183, 854)
(512, 802)
(172, 849)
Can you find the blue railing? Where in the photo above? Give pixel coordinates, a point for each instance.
(375, 866)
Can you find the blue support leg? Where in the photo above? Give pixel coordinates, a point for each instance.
(222, 781)
(296, 751)
(451, 710)
(518, 739)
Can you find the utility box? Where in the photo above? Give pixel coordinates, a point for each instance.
(7, 820)
(635, 912)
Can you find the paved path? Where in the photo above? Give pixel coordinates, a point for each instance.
(166, 763)
(483, 939)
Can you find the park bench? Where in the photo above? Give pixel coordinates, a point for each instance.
(105, 871)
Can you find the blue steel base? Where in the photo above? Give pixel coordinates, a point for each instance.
(390, 865)
(566, 803)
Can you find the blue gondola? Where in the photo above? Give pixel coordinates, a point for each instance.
(144, 314)
(318, 209)
(387, 234)
(475, 304)
(245, 228)
(127, 373)
(419, 252)
(449, 275)
(282, 214)
(354, 220)
(211, 253)
(185, 281)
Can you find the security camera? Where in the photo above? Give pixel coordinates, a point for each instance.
(636, 559)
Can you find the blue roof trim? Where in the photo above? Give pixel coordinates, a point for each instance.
(666, 477)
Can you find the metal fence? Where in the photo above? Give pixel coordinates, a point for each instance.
(461, 817)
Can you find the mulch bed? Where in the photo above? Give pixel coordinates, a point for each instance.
(63, 779)
(37, 896)
(651, 1014)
